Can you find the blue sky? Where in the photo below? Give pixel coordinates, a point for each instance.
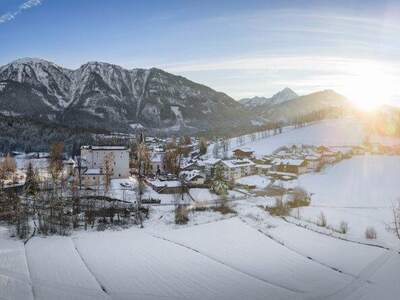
(243, 48)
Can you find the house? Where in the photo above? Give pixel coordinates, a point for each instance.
(157, 165)
(236, 168)
(240, 154)
(263, 169)
(94, 158)
(313, 162)
(294, 166)
(167, 186)
(208, 166)
(193, 177)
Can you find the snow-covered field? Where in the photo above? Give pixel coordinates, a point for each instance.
(336, 132)
(360, 191)
(136, 265)
(259, 181)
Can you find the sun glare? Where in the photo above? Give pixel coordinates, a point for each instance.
(369, 86)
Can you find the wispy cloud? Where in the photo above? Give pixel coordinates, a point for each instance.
(8, 16)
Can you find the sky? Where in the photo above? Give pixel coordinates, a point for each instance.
(243, 48)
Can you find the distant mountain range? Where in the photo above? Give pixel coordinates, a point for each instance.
(287, 105)
(102, 95)
(108, 97)
(282, 96)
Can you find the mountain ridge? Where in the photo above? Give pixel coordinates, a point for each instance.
(110, 96)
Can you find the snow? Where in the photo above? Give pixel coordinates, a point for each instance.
(235, 244)
(14, 273)
(259, 181)
(133, 264)
(338, 132)
(367, 181)
(136, 126)
(332, 252)
(58, 272)
(203, 195)
(360, 191)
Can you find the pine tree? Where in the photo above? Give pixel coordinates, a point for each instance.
(31, 182)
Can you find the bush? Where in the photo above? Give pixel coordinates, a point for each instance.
(280, 208)
(343, 227)
(300, 198)
(224, 207)
(322, 220)
(181, 215)
(370, 233)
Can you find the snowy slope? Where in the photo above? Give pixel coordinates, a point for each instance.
(337, 132)
(362, 181)
(331, 252)
(243, 248)
(132, 264)
(14, 272)
(360, 191)
(58, 272)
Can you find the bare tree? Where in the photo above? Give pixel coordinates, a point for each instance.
(203, 146)
(9, 165)
(108, 171)
(55, 166)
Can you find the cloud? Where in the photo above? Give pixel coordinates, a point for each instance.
(24, 6)
(29, 4)
(7, 17)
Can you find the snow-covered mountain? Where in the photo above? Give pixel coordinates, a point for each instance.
(304, 105)
(282, 96)
(108, 96)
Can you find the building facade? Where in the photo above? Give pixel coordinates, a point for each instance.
(94, 159)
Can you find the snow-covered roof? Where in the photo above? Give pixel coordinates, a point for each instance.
(289, 161)
(104, 147)
(165, 183)
(190, 175)
(237, 163)
(210, 161)
(157, 157)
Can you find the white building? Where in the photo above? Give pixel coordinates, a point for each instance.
(94, 157)
(236, 168)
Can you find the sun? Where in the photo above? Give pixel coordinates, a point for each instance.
(368, 86)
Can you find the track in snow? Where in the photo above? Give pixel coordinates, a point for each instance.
(229, 266)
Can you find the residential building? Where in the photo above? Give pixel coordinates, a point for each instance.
(236, 168)
(94, 157)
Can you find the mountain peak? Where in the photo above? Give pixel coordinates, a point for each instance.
(284, 95)
(30, 60)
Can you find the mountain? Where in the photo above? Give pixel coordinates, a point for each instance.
(304, 105)
(107, 96)
(282, 96)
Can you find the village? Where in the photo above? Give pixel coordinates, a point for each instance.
(186, 173)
